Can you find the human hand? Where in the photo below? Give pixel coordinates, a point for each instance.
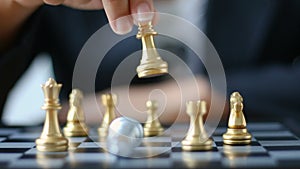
(118, 11)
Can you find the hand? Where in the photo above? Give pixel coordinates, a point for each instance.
(117, 11)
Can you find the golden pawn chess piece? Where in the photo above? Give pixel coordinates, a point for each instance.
(151, 63)
(196, 138)
(76, 126)
(152, 126)
(237, 132)
(109, 101)
(51, 138)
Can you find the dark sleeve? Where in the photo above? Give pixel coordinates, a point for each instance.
(15, 60)
(271, 90)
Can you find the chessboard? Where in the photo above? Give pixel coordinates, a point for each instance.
(273, 146)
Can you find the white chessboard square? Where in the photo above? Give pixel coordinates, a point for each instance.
(246, 162)
(17, 145)
(25, 136)
(280, 143)
(36, 163)
(2, 139)
(9, 156)
(89, 145)
(274, 134)
(144, 163)
(243, 149)
(34, 151)
(285, 155)
(91, 157)
(4, 131)
(196, 156)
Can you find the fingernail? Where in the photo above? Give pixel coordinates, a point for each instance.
(144, 13)
(123, 25)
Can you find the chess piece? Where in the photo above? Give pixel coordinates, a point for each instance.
(124, 135)
(109, 101)
(237, 132)
(151, 63)
(152, 126)
(76, 126)
(51, 138)
(196, 138)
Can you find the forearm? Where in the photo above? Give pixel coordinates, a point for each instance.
(12, 17)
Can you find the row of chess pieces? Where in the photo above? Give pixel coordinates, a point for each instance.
(52, 138)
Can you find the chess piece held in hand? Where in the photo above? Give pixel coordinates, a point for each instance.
(51, 138)
(151, 63)
(76, 126)
(152, 126)
(237, 132)
(109, 101)
(196, 138)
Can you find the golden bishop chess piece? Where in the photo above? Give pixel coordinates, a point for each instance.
(196, 138)
(152, 126)
(237, 132)
(109, 101)
(76, 126)
(151, 63)
(51, 138)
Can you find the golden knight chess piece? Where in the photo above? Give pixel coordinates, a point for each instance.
(51, 138)
(76, 126)
(197, 138)
(152, 126)
(151, 63)
(109, 101)
(237, 132)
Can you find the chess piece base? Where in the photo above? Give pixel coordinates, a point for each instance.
(148, 132)
(144, 72)
(196, 144)
(77, 130)
(52, 144)
(237, 136)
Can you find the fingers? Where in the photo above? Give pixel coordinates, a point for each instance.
(142, 10)
(117, 12)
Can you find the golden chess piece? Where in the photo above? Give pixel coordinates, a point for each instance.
(152, 126)
(196, 138)
(109, 101)
(237, 132)
(151, 63)
(51, 138)
(76, 126)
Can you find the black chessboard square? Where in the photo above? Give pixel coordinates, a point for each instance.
(253, 143)
(282, 148)
(46, 156)
(19, 140)
(13, 150)
(89, 150)
(262, 138)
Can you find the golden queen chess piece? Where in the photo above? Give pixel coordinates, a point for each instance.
(51, 138)
(109, 101)
(237, 132)
(196, 138)
(151, 63)
(152, 126)
(76, 126)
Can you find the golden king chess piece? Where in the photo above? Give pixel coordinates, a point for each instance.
(51, 138)
(237, 132)
(152, 126)
(76, 126)
(109, 101)
(196, 138)
(151, 63)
